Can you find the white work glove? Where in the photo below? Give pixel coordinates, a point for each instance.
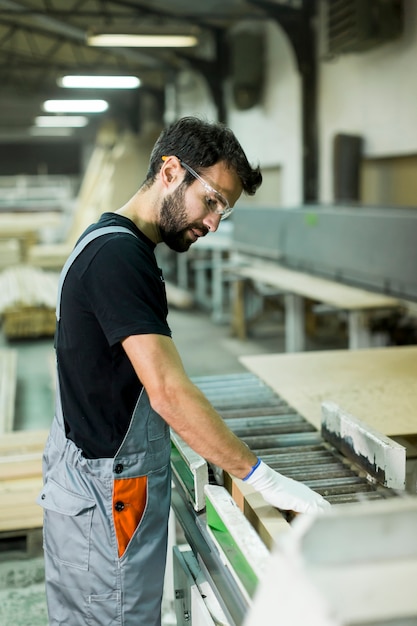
(285, 493)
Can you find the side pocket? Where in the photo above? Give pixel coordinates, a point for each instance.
(157, 427)
(67, 524)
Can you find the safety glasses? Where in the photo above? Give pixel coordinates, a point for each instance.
(216, 202)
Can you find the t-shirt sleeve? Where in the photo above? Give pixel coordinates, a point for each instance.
(126, 290)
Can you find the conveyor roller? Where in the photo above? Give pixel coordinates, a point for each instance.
(285, 439)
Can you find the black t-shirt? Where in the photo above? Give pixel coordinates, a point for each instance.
(113, 289)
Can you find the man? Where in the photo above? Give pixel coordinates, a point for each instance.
(121, 385)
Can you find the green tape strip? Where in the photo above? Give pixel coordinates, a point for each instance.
(182, 469)
(232, 551)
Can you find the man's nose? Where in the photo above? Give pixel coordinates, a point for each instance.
(212, 221)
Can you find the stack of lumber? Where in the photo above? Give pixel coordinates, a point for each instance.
(113, 174)
(25, 227)
(20, 464)
(27, 301)
(10, 252)
(54, 255)
(20, 459)
(20, 481)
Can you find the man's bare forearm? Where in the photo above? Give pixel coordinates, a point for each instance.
(194, 419)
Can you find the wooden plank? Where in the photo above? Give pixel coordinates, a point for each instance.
(22, 518)
(19, 509)
(33, 485)
(25, 286)
(10, 252)
(378, 386)
(266, 520)
(8, 374)
(21, 496)
(25, 227)
(113, 167)
(21, 466)
(21, 480)
(51, 255)
(17, 224)
(23, 441)
(330, 292)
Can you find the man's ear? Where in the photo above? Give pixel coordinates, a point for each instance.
(171, 172)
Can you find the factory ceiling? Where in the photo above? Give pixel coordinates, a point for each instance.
(42, 40)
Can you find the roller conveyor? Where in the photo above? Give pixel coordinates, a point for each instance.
(286, 440)
(225, 550)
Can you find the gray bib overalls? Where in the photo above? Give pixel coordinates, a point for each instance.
(105, 520)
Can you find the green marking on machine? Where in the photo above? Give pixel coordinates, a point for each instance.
(231, 550)
(182, 469)
(190, 469)
(311, 219)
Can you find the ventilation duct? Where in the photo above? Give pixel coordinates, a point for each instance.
(247, 66)
(360, 25)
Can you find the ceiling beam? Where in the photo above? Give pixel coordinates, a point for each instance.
(58, 27)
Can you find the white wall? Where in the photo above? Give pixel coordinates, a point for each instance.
(193, 96)
(270, 132)
(372, 94)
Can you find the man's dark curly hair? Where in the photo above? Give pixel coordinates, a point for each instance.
(202, 144)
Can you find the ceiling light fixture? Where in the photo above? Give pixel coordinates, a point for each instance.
(38, 131)
(61, 121)
(149, 37)
(142, 41)
(99, 82)
(75, 106)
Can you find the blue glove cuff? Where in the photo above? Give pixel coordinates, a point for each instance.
(257, 464)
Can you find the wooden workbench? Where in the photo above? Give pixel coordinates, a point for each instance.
(377, 386)
(208, 259)
(295, 286)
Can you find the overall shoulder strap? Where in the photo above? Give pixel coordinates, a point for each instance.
(79, 248)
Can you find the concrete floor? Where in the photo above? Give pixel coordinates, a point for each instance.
(206, 348)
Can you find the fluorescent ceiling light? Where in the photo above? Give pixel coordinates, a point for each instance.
(39, 131)
(142, 41)
(75, 106)
(99, 82)
(145, 36)
(61, 121)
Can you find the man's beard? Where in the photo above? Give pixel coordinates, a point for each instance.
(173, 223)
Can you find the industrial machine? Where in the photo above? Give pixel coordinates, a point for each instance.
(232, 537)
(341, 242)
(355, 567)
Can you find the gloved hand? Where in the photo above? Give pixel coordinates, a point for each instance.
(285, 493)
